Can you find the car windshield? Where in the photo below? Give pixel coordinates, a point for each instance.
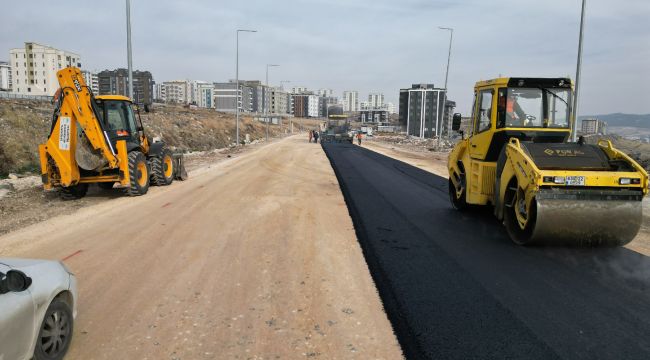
(537, 107)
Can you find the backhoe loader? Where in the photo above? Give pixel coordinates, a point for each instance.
(546, 190)
(101, 140)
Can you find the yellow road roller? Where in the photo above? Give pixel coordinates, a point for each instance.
(517, 158)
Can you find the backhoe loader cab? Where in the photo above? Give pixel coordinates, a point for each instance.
(101, 140)
(517, 159)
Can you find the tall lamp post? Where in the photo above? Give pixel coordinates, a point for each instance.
(444, 102)
(128, 47)
(266, 106)
(237, 81)
(574, 125)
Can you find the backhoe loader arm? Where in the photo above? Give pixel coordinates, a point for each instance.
(77, 103)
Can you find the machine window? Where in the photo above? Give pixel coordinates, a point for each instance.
(484, 111)
(537, 107)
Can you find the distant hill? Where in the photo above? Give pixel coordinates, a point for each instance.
(618, 119)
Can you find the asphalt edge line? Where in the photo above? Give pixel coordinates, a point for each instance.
(404, 334)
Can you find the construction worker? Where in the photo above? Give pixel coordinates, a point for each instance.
(359, 136)
(316, 137)
(514, 114)
(311, 135)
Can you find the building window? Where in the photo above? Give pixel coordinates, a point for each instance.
(44, 90)
(31, 56)
(29, 89)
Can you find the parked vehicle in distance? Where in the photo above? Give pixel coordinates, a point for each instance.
(38, 304)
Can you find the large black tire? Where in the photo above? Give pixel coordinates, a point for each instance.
(138, 174)
(55, 333)
(106, 185)
(73, 192)
(162, 168)
(459, 202)
(518, 234)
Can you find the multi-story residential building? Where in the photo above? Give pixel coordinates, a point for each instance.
(92, 81)
(376, 100)
(373, 116)
(305, 105)
(421, 110)
(351, 101)
(279, 101)
(34, 68)
(176, 92)
(226, 97)
(206, 95)
(325, 92)
(5, 76)
(594, 127)
(324, 103)
(299, 90)
(159, 93)
(116, 82)
(390, 107)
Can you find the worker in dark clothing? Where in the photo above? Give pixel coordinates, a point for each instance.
(316, 137)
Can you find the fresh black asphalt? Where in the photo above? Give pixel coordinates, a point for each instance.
(455, 287)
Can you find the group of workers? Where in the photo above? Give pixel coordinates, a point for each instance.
(313, 135)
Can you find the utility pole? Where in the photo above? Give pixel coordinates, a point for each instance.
(128, 47)
(444, 102)
(266, 118)
(237, 84)
(574, 125)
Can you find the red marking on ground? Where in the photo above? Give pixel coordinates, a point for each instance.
(166, 205)
(71, 255)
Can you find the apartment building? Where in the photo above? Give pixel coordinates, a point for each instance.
(351, 101)
(279, 101)
(421, 110)
(305, 105)
(593, 127)
(375, 100)
(159, 93)
(116, 82)
(5, 76)
(226, 98)
(92, 80)
(205, 95)
(34, 67)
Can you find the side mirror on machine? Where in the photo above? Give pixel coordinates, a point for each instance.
(456, 120)
(15, 281)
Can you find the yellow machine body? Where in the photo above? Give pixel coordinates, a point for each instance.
(545, 189)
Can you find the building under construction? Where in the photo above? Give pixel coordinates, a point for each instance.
(420, 110)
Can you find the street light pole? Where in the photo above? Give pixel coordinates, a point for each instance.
(237, 83)
(128, 47)
(444, 102)
(574, 125)
(265, 96)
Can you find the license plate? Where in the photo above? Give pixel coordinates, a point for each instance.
(575, 180)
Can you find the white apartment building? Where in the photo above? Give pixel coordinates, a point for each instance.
(34, 68)
(376, 100)
(351, 101)
(312, 106)
(159, 93)
(298, 90)
(205, 95)
(390, 107)
(92, 81)
(176, 92)
(325, 92)
(5, 76)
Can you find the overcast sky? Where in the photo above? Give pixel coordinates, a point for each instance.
(364, 45)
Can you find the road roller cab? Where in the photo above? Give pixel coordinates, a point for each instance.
(546, 190)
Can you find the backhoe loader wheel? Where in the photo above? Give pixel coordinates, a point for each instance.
(458, 200)
(138, 174)
(519, 220)
(73, 192)
(162, 168)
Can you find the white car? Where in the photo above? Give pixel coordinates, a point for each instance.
(38, 302)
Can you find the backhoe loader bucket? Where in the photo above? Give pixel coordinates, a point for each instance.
(179, 167)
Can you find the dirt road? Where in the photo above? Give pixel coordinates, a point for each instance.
(254, 258)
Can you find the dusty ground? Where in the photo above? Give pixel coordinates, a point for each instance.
(436, 162)
(253, 258)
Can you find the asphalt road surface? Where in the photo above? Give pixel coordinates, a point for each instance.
(455, 287)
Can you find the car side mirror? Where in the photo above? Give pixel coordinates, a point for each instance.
(15, 281)
(456, 120)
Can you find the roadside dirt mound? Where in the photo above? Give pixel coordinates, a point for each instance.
(26, 123)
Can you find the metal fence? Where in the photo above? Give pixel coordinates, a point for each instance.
(7, 95)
